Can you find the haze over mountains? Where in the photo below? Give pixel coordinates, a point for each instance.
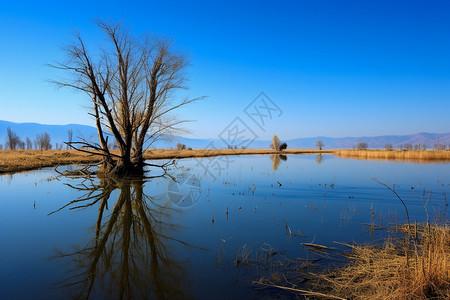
(58, 135)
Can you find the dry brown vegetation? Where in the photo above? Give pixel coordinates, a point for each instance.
(168, 153)
(397, 269)
(420, 156)
(24, 160)
(415, 265)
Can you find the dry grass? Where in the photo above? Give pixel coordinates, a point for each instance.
(420, 156)
(25, 160)
(396, 270)
(186, 153)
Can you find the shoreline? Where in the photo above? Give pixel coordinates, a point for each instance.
(28, 160)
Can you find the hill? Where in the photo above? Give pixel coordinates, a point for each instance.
(58, 135)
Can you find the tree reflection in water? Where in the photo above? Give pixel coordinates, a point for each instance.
(276, 160)
(130, 254)
(319, 158)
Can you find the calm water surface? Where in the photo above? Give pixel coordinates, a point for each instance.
(186, 240)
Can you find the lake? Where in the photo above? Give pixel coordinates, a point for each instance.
(224, 223)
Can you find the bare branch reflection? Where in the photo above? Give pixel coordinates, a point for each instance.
(130, 255)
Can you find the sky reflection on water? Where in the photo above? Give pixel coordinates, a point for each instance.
(140, 236)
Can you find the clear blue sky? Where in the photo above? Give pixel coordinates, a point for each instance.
(335, 68)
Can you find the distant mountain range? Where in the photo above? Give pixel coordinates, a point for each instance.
(58, 135)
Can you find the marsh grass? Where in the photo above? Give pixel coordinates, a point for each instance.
(413, 263)
(398, 269)
(422, 156)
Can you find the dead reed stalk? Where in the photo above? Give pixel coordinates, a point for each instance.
(381, 272)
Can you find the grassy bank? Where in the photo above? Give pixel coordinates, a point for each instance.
(24, 160)
(421, 156)
(168, 153)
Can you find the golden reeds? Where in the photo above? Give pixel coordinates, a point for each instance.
(24, 160)
(421, 156)
(385, 272)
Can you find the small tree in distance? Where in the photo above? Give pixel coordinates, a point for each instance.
(43, 141)
(29, 144)
(408, 146)
(181, 146)
(283, 146)
(362, 146)
(319, 144)
(275, 143)
(388, 147)
(69, 137)
(13, 140)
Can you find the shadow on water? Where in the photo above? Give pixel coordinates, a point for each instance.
(129, 255)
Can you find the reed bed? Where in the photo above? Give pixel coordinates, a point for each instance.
(398, 269)
(420, 156)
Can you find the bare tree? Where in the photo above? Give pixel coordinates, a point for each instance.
(388, 146)
(181, 146)
(69, 137)
(29, 144)
(407, 146)
(362, 146)
(13, 140)
(439, 147)
(43, 141)
(275, 143)
(319, 144)
(132, 86)
(1, 147)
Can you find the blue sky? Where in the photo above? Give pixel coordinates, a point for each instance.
(335, 68)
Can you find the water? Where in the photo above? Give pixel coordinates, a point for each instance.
(162, 239)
